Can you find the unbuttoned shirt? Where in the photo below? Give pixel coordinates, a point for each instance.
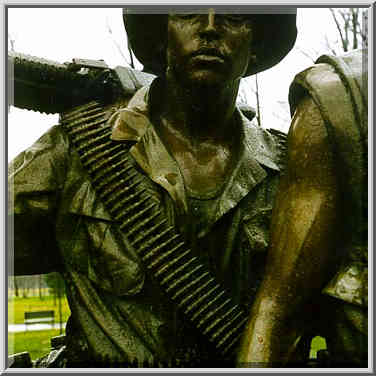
(118, 311)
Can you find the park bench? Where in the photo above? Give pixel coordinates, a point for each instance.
(39, 317)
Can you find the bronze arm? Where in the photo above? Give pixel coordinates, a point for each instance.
(305, 232)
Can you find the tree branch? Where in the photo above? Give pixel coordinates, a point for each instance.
(338, 28)
(258, 102)
(306, 54)
(117, 45)
(355, 29)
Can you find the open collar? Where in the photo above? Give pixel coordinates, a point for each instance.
(258, 150)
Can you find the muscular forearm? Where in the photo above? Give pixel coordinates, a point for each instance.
(298, 266)
(304, 233)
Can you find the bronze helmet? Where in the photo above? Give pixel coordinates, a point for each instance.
(275, 35)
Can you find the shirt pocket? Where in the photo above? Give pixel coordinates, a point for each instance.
(100, 248)
(256, 228)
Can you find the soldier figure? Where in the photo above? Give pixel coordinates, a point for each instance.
(213, 175)
(319, 230)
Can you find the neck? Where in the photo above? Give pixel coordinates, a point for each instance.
(199, 112)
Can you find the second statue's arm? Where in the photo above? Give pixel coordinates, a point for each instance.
(304, 232)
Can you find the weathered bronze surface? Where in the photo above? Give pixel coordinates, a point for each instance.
(319, 226)
(213, 175)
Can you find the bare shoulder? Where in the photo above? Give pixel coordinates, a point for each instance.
(309, 150)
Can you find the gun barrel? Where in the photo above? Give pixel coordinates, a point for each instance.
(50, 87)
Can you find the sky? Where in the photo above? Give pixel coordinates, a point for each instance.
(61, 34)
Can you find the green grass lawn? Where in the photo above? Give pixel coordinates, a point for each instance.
(318, 343)
(18, 306)
(37, 343)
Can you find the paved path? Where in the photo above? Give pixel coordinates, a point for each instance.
(30, 327)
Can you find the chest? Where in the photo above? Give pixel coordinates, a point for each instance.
(95, 245)
(204, 169)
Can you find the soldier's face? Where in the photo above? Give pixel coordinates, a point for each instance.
(208, 49)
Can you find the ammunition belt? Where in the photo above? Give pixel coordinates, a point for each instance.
(180, 274)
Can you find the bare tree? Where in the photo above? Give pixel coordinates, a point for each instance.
(11, 42)
(118, 47)
(257, 93)
(16, 287)
(40, 285)
(351, 25)
(13, 286)
(352, 28)
(12, 38)
(244, 98)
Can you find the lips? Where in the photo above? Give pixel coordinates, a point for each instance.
(208, 54)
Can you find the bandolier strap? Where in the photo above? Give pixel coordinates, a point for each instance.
(182, 276)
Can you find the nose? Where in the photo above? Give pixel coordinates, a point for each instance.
(211, 20)
(209, 23)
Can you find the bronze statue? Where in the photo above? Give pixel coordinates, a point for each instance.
(319, 227)
(157, 214)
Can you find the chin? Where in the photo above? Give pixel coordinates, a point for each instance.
(207, 79)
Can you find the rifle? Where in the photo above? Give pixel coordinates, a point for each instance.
(48, 86)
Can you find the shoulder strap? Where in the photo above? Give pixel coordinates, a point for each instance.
(338, 85)
(181, 275)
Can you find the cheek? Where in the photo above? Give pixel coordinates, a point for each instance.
(175, 45)
(243, 40)
(242, 46)
(241, 56)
